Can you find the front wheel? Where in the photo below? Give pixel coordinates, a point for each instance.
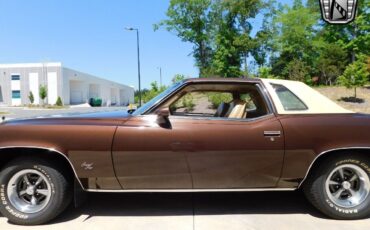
(32, 191)
(340, 187)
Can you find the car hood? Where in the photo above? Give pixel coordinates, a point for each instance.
(100, 115)
(112, 117)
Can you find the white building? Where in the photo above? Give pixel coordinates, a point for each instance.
(73, 87)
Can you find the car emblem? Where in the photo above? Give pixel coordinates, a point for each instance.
(338, 11)
(87, 166)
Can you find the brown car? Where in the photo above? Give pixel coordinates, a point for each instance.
(198, 135)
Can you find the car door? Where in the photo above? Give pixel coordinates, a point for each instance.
(230, 154)
(199, 151)
(235, 139)
(148, 156)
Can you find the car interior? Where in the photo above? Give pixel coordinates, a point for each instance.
(233, 101)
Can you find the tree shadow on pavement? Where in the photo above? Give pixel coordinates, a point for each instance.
(179, 204)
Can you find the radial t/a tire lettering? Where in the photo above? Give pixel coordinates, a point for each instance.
(33, 191)
(340, 187)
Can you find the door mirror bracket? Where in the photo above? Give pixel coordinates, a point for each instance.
(163, 118)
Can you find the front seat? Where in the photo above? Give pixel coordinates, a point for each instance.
(239, 110)
(222, 109)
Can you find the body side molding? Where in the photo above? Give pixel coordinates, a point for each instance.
(191, 190)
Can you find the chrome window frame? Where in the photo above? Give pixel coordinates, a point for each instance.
(271, 111)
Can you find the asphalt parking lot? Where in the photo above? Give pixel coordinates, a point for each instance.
(195, 211)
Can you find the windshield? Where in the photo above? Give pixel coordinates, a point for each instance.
(159, 97)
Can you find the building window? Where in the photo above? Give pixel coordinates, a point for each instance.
(16, 77)
(16, 94)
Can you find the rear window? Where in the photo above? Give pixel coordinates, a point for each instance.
(288, 99)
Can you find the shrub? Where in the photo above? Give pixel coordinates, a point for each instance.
(217, 98)
(31, 97)
(43, 93)
(187, 102)
(59, 102)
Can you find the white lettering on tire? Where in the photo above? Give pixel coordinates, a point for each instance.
(338, 209)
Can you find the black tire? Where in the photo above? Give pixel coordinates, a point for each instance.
(60, 190)
(315, 187)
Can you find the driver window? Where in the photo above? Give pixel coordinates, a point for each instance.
(199, 104)
(236, 103)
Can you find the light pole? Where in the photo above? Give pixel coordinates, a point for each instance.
(138, 58)
(160, 76)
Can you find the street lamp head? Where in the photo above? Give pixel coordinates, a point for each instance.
(130, 28)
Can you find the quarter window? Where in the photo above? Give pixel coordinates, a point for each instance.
(288, 99)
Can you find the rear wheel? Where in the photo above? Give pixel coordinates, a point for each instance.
(340, 187)
(32, 191)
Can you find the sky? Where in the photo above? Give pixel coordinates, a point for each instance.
(89, 36)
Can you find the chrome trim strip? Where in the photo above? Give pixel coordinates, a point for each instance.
(267, 97)
(191, 190)
(272, 133)
(221, 118)
(51, 150)
(322, 153)
(262, 90)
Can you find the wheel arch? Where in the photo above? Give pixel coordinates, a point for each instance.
(9, 153)
(329, 153)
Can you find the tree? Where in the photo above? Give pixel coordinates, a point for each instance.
(190, 20)
(265, 46)
(233, 42)
(355, 75)
(136, 94)
(178, 78)
(219, 30)
(331, 63)
(297, 70)
(31, 97)
(43, 93)
(353, 37)
(265, 72)
(295, 40)
(359, 31)
(153, 91)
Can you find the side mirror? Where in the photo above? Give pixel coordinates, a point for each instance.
(162, 118)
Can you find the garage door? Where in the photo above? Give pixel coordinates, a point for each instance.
(76, 97)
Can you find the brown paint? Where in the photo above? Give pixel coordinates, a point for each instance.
(190, 153)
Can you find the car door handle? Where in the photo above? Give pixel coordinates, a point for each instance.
(272, 133)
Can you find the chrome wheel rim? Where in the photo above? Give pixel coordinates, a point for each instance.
(29, 191)
(347, 186)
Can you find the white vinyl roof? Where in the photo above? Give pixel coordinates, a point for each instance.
(316, 102)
